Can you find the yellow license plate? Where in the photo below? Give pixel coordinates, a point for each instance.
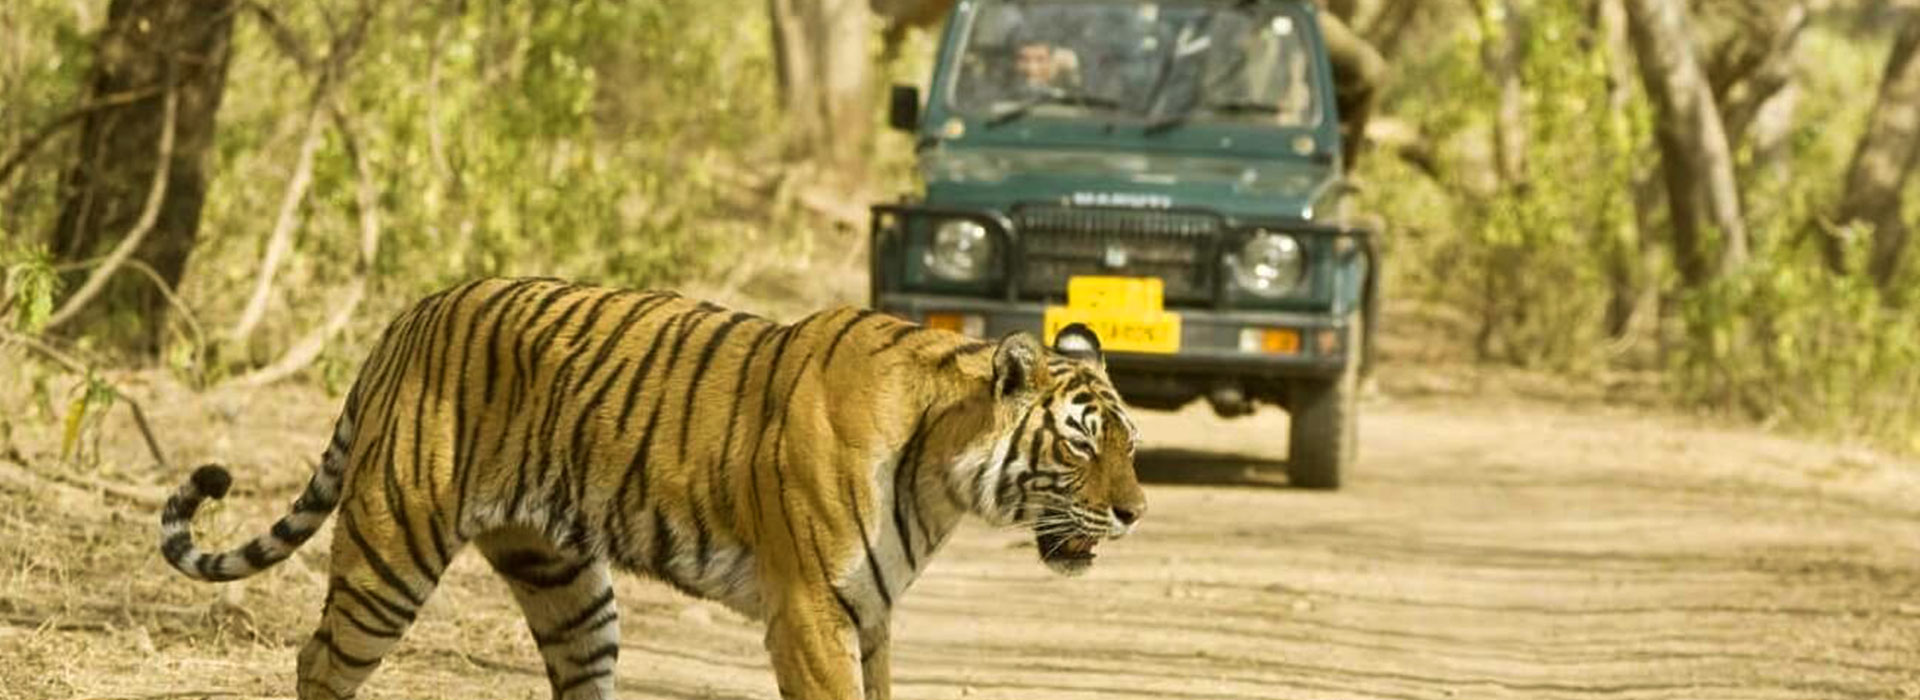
(1126, 312)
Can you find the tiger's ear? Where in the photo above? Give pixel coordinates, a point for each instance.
(1079, 342)
(1017, 366)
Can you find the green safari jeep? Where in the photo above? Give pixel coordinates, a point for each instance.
(1168, 173)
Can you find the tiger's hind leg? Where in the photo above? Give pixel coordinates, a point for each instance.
(376, 591)
(568, 601)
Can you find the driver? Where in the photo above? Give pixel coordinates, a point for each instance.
(1042, 69)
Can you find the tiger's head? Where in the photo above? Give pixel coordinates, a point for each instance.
(1062, 461)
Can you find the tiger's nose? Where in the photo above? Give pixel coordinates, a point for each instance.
(1127, 515)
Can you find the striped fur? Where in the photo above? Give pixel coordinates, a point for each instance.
(802, 474)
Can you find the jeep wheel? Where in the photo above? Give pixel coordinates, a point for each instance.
(1325, 412)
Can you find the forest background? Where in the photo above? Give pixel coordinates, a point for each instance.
(1703, 201)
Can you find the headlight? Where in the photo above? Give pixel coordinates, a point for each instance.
(961, 251)
(1269, 264)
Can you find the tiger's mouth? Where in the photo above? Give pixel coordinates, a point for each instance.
(1066, 554)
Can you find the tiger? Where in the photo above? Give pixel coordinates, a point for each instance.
(801, 474)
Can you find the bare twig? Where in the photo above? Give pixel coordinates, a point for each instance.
(150, 214)
(308, 349)
(180, 308)
(39, 138)
(284, 37)
(280, 241)
(75, 366)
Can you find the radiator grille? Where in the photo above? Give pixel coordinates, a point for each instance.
(1060, 242)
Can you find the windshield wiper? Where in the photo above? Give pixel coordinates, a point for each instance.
(1065, 98)
(1229, 107)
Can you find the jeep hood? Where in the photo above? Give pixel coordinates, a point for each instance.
(1237, 186)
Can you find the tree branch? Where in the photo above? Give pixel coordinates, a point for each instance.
(280, 241)
(308, 349)
(149, 215)
(160, 284)
(39, 138)
(286, 224)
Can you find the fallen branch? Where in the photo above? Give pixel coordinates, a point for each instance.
(149, 215)
(39, 138)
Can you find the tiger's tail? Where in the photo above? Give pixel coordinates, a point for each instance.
(304, 518)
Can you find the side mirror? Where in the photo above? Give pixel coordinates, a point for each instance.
(903, 108)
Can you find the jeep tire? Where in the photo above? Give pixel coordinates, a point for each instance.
(1323, 441)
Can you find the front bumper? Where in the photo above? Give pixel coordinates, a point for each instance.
(1209, 339)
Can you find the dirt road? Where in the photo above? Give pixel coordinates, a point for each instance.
(1482, 550)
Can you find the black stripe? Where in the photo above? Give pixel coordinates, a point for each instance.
(562, 689)
(390, 613)
(573, 625)
(714, 341)
(437, 382)
(834, 346)
(492, 343)
(664, 547)
(1005, 485)
(597, 654)
(873, 562)
(204, 567)
(342, 657)
(920, 514)
(397, 507)
(826, 569)
(646, 367)
(379, 565)
(578, 447)
(724, 457)
(899, 334)
(284, 531)
(951, 358)
(523, 567)
(179, 509)
(176, 546)
(592, 318)
(365, 627)
(619, 505)
(256, 555)
(637, 471)
(702, 538)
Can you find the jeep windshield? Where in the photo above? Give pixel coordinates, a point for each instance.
(1154, 62)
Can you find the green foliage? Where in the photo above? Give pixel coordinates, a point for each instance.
(1519, 256)
(87, 407)
(1537, 265)
(28, 287)
(1785, 341)
(582, 140)
(43, 60)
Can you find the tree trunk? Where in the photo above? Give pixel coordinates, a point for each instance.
(1882, 161)
(145, 45)
(1755, 63)
(1702, 196)
(1630, 260)
(820, 50)
(1502, 48)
